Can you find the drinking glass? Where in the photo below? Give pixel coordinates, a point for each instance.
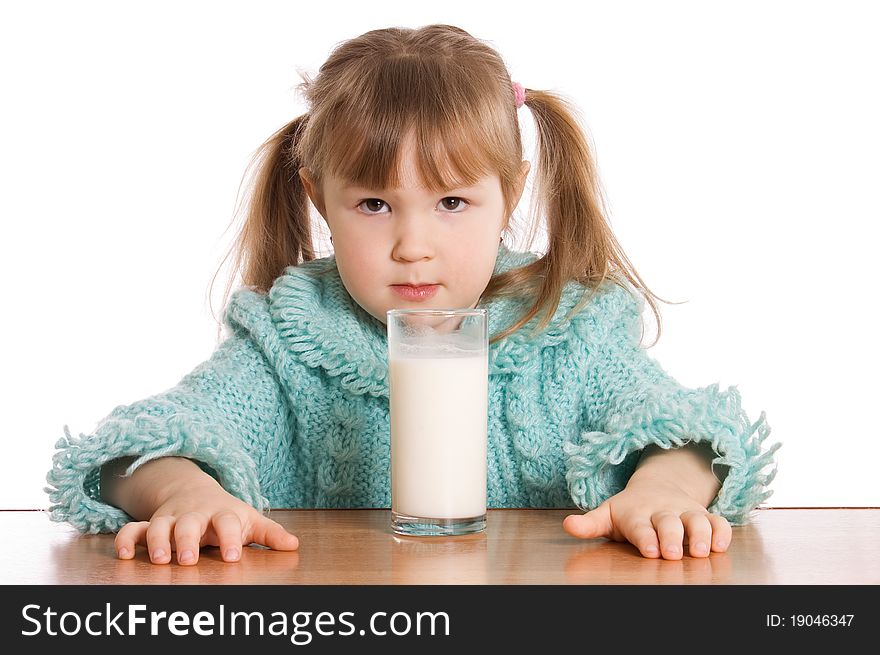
(438, 371)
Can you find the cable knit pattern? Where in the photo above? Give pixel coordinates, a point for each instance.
(291, 410)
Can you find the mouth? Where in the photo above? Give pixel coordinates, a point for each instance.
(416, 293)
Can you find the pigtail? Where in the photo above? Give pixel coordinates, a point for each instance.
(276, 232)
(568, 194)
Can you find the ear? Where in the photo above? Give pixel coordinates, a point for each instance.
(312, 190)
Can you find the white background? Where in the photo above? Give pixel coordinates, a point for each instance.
(737, 143)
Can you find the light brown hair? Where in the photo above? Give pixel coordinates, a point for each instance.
(453, 92)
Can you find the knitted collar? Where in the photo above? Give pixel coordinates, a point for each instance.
(320, 324)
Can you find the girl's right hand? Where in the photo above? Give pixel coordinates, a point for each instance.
(201, 515)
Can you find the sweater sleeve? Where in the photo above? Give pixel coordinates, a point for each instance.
(225, 415)
(631, 402)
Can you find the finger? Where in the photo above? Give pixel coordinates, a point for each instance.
(722, 534)
(643, 536)
(593, 524)
(159, 539)
(128, 537)
(188, 532)
(699, 532)
(227, 526)
(670, 532)
(267, 532)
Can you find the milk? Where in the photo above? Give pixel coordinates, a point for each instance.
(439, 406)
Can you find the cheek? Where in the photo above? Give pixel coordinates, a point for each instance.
(472, 268)
(355, 272)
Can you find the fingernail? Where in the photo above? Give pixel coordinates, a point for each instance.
(123, 552)
(187, 556)
(701, 548)
(231, 555)
(158, 553)
(650, 550)
(722, 545)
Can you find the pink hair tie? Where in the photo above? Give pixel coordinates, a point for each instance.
(520, 94)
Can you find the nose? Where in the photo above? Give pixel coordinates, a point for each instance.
(413, 240)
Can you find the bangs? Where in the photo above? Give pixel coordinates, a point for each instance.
(454, 136)
(444, 159)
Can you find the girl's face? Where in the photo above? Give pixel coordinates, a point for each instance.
(410, 235)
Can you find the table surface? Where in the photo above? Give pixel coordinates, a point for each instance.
(519, 546)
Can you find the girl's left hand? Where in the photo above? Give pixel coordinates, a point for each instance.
(658, 517)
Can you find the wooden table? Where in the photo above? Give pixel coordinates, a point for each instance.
(780, 547)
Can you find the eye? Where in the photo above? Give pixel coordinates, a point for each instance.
(372, 202)
(376, 203)
(460, 202)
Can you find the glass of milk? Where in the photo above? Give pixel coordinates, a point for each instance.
(438, 371)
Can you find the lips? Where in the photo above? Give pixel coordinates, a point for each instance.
(416, 293)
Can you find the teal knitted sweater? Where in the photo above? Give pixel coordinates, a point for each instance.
(291, 410)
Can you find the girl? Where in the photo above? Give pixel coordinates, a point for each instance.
(411, 152)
